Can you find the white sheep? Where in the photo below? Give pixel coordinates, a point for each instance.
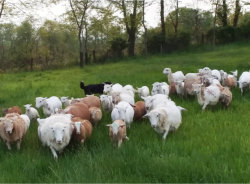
(55, 132)
(179, 86)
(118, 97)
(31, 112)
(49, 104)
(216, 74)
(165, 119)
(107, 104)
(110, 88)
(129, 89)
(244, 81)
(207, 95)
(123, 111)
(143, 91)
(173, 77)
(160, 88)
(158, 100)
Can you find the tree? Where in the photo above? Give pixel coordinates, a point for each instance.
(176, 21)
(131, 19)
(78, 10)
(2, 3)
(163, 26)
(222, 10)
(236, 13)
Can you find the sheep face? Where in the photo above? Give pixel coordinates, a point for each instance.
(153, 118)
(58, 133)
(196, 88)
(78, 127)
(115, 128)
(8, 125)
(107, 88)
(27, 106)
(166, 71)
(40, 102)
(64, 99)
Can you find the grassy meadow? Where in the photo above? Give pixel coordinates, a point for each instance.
(210, 146)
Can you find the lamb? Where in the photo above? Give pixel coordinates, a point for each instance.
(93, 88)
(82, 130)
(225, 96)
(65, 100)
(207, 95)
(95, 115)
(26, 120)
(160, 88)
(80, 110)
(91, 101)
(49, 104)
(13, 127)
(172, 78)
(118, 97)
(158, 100)
(129, 89)
(123, 111)
(164, 119)
(139, 110)
(117, 132)
(14, 109)
(107, 104)
(31, 112)
(179, 86)
(244, 81)
(55, 132)
(229, 80)
(216, 75)
(109, 89)
(143, 91)
(188, 88)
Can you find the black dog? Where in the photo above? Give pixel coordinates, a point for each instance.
(93, 88)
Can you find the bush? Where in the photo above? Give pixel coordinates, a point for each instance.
(117, 46)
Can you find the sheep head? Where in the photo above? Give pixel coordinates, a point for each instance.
(167, 71)
(196, 88)
(8, 124)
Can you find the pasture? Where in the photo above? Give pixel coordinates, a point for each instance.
(210, 146)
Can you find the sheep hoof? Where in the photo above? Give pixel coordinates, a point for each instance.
(127, 138)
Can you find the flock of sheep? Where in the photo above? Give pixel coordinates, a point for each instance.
(75, 122)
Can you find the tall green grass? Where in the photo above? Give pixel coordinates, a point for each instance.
(210, 146)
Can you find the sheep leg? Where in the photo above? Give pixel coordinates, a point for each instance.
(127, 138)
(18, 145)
(166, 132)
(204, 106)
(53, 152)
(82, 141)
(119, 143)
(8, 145)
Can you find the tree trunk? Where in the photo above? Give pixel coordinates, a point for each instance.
(131, 40)
(2, 7)
(145, 29)
(31, 64)
(177, 18)
(236, 13)
(224, 13)
(94, 56)
(163, 27)
(80, 49)
(214, 23)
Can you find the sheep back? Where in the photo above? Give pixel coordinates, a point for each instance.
(14, 109)
(140, 110)
(92, 101)
(86, 129)
(80, 110)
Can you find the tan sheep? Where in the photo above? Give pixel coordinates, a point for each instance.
(12, 129)
(95, 115)
(188, 85)
(14, 109)
(92, 101)
(140, 110)
(80, 110)
(82, 129)
(230, 82)
(225, 96)
(117, 132)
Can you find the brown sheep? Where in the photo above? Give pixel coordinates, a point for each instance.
(92, 101)
(82, 129)
(95, 115)
(80, 110)
(140, 110)
(188, 88)
(118, 132)
(14, 109)
(172, 88)
(225, 96)
(230, 82)
(12, 129)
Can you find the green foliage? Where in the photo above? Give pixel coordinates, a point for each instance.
(117, 46)
(211, 146)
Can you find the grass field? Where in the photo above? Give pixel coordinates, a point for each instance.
(210, 146)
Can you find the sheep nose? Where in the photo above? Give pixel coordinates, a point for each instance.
(59, 142)
(8, 131)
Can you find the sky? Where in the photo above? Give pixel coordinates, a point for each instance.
(55, 11)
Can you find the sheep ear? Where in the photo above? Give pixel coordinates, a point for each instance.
(132, 105)
(143, 97)
(145, 116)
(108, 125)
